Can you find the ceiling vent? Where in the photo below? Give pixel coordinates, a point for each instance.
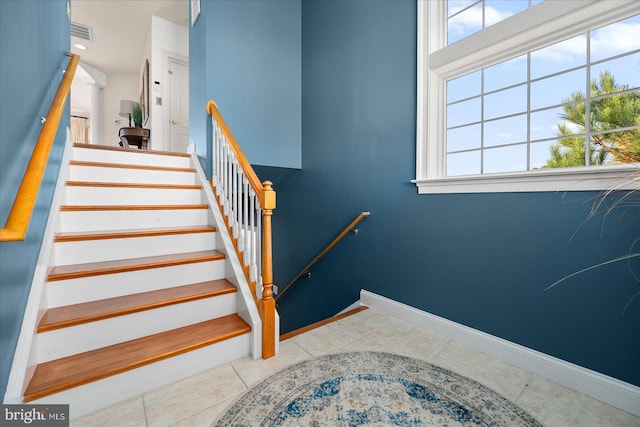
(81, 31)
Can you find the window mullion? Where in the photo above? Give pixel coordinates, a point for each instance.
(482, 119)
(587, 111)
(529, 111)
(439, 85)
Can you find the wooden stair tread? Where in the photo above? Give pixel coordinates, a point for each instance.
(129, 166)
(128, 150)
(89, 208)
(73, 371)
(121, 234)
(74, 271)
(132, 185)
(76, 314)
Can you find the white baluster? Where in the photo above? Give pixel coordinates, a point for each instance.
(259, 248)
(223, 174)
(218, 158)
(227, 178)
(214, 136)
(236, 194)
(241, 217)
(219, 161)
(232, 161)
(253, 269)
(245, 219)
(234, 198)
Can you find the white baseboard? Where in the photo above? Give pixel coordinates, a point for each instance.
(351, 307)
(612, 391)
(24, 358)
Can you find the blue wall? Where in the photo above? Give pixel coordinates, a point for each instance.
(482, 260)
(252, 60)
(34, 40)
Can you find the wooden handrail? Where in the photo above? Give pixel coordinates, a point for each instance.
(17, 223)
(330, 246)
(267, 199)
(254, 181)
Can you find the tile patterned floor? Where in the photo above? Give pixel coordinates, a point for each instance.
(198, 400)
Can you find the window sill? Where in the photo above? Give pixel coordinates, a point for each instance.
(595, 178)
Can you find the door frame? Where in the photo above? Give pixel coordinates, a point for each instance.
(169, 57)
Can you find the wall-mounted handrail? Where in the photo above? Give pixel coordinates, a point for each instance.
(17, 223)
(247, 206)
(348, 228)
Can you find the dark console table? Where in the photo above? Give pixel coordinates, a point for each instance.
(134, 136)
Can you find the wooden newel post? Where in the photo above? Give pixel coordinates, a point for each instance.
(267, 303)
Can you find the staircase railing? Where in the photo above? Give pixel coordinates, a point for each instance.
(19, 217)
(247, 205)
(351, 227)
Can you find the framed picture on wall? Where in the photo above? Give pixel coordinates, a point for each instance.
(144, 94)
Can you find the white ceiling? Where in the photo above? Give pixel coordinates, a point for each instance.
(120, 29)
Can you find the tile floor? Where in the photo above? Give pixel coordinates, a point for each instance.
(198, 400)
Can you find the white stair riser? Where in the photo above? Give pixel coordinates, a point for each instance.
(114, 249)
(132, 157)
(94, 221)
(81, 195)
(100, 394)
(77, 339)
(75, 291)
(90, 336)
(139, 176)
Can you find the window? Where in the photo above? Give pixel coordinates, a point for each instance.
(504, 88)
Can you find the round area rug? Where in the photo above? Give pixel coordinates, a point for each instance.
(371, 389)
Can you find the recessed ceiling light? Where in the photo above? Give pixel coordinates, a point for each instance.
(80, 46)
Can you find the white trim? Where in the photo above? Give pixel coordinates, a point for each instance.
(25, 356)
(615, 392)
(195, 11)
(353, 306)
(247, 309)
(167, 58)
(567, 179)
(546, 23)
(549, 22)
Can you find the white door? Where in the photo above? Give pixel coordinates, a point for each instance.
(178, 106)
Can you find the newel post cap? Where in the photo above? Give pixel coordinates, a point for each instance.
(269, 199)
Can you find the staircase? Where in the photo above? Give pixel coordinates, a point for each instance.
(141, 291)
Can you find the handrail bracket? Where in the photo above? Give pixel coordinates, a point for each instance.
(17, 223)
(307, 270)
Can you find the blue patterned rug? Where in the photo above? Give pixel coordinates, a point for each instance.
(371, 389)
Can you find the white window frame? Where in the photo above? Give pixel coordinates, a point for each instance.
(547, 23)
